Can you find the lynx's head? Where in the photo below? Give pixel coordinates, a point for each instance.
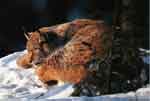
(37, 50)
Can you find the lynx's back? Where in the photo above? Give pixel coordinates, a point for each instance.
(88, 40)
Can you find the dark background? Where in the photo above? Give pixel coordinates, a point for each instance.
(17, 16)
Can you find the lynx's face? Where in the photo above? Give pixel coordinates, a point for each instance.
(37, 50)
(33, 41)
(37, 46)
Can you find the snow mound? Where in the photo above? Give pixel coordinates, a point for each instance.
(16, 82)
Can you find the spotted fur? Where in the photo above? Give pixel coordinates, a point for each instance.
(83, 40)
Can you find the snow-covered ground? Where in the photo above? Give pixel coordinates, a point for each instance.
(17, 83)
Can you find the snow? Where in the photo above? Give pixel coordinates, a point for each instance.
(22, 84)
(16, 82)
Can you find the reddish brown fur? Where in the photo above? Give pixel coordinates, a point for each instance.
(89, 39)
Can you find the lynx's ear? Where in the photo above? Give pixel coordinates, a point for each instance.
(27, 35)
